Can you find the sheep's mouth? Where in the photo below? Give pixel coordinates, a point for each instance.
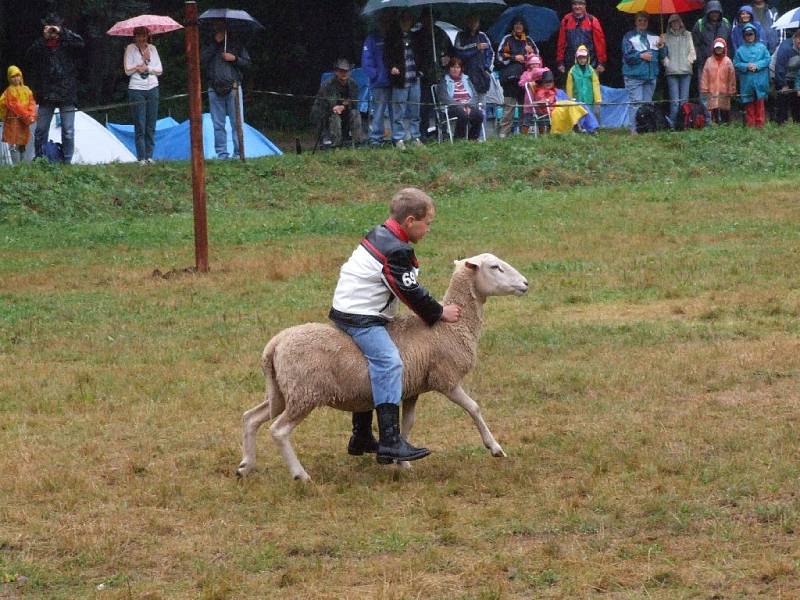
(519, 290)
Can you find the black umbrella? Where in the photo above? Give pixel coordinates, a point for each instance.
(374, 6)
(239, 20)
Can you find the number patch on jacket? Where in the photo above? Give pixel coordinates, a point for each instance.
(409, 279)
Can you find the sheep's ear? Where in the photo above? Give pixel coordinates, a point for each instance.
(471, 265)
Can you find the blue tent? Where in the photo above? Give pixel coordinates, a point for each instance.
(172, 141)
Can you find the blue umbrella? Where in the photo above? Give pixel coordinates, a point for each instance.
(541, 22)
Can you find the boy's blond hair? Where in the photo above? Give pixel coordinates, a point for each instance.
(410, 202)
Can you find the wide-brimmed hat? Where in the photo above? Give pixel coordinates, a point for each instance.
(53, 19)
(342, 64)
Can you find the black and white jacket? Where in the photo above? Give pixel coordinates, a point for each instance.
(382, 270)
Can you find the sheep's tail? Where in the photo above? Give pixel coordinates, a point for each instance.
(277, 403)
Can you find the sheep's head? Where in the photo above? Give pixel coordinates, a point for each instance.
(494, 277)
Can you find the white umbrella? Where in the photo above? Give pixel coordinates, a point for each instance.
(789, 20)
(450, 29)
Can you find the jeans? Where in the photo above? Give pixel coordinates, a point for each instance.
(678, 88)
(381, 107)
(67, 114)
(144, 110)
(383, 360)
(639, 91)
(405, 105)
(221, 107)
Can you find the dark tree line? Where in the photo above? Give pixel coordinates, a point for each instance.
(300, 41)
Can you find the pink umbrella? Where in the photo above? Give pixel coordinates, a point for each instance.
(154, 24)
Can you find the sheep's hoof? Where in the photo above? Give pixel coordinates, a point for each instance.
(304, 477)
(243, 469)
(499, 453)
(403, 464)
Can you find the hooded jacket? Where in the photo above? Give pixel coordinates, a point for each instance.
(766, 19)
(705, 32)
(681, 51)
(17, 110)
(372, 61)
(634, 44)
(477, 63)
(53, 70)
(784, 76)
(738, 27)
(583, 84)
(753, 85)
(718, 81)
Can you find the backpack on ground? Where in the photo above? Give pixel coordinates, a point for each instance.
(691, 116)
(649, 119)
(53, 151)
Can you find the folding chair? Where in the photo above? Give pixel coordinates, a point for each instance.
(542, 120)
(444, 122)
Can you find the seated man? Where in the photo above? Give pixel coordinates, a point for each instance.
(336, 105)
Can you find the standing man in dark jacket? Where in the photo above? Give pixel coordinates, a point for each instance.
(787, 72)
(52, 61)
(402, 59)
(579, 28)
(222, 61)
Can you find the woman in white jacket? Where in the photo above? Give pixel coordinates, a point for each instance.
(143, 66)
(678, 65)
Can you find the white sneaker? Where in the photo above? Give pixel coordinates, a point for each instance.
(417, 142)
(142, 162)
(149, 161)
(400, 145)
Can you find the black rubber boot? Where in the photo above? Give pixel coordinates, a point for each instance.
(392, 447)
(362, 441)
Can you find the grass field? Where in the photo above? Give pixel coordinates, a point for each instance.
(646, 389)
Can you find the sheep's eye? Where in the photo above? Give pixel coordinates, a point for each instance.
(497, 267)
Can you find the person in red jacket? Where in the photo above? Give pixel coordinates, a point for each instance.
(580, 28)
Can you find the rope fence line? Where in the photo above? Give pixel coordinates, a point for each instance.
(370, 101)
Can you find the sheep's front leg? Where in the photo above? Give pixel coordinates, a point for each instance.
(409, 416)
(460, 397)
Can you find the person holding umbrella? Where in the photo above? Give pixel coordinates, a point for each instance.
(143, 67)
(223, 61)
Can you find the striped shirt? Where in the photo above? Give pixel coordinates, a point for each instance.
(460, 93)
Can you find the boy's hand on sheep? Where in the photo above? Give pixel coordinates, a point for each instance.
(451, 313)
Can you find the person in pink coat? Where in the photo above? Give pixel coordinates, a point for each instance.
(718, 82)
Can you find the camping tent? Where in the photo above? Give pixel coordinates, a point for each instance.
(172, 141)
(94, 144)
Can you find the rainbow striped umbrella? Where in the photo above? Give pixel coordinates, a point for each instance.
(660, 7)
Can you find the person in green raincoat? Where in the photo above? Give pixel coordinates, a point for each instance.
(583, 84)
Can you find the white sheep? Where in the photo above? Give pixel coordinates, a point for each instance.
(316, 364)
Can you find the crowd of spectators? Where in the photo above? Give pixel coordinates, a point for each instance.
(729, 61)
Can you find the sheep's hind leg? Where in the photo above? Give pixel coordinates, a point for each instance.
(409, 416)
(460, 397)
(280, 430)
(251, 421)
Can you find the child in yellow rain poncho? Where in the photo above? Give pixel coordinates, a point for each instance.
(17, 111)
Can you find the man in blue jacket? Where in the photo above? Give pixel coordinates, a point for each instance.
(642, 53)
(787, 75)
(380, 87)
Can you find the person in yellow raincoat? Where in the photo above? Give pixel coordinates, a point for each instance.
(18, 112)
